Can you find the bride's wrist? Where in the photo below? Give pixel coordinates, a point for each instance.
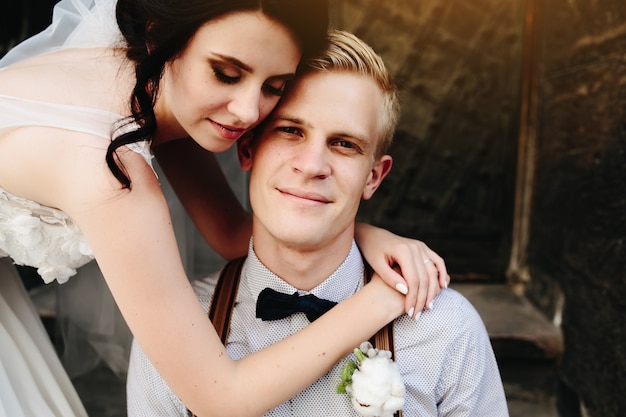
(382, 304)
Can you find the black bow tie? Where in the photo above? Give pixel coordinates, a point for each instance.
(274, 305)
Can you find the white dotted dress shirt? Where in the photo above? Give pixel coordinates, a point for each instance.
(445, 357)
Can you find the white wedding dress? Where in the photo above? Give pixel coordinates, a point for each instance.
(32, 380)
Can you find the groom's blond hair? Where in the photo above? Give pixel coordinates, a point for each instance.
(346, 52)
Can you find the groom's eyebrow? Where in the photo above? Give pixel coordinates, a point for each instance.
(293, 119)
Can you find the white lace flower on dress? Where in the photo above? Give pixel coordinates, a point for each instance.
(76, 249)
(28, 233)
(373, 383)
(42, 237)
(59, 272)
(24, 223)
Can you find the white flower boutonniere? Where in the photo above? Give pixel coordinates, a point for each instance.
(373, 383)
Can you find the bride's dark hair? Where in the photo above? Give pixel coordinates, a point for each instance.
(156, 31)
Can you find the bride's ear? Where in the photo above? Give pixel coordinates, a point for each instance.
(244, 151)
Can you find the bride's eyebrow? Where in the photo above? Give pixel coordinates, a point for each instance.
(235, 62)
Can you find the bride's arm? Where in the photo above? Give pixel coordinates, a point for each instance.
(134, 244)
(422, 272)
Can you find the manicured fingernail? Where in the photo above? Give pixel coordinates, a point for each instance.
(431, 304)
(417, 316)
(411, 311)
(402, 288)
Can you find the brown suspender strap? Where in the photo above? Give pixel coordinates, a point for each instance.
(383, 339)
(225, 295)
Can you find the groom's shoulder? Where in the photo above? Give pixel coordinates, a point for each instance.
(452, 313)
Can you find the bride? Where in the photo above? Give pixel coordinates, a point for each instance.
(84, 106)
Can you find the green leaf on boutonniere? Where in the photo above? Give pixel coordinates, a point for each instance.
(346, 376)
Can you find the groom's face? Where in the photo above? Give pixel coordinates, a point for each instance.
(314, 160)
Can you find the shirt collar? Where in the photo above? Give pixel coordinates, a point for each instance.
(342, 283)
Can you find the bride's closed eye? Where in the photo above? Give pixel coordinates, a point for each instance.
(275, 91)
(224, 75)
(229, 76)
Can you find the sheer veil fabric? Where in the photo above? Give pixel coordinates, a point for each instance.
(75, 23)
(33, 382)
(89, 322)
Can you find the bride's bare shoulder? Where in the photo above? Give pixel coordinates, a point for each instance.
(90, 77)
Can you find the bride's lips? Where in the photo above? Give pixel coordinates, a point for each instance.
(228, 132)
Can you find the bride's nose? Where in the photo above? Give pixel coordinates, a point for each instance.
(246, 105)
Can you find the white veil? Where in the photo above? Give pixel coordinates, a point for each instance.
(89, 322)
(75, 23)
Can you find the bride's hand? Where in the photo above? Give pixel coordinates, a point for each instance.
(422, 272)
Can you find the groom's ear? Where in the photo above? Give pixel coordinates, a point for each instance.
(244, 151)
(379, 171)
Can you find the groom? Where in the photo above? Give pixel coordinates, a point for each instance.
(312, 161)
